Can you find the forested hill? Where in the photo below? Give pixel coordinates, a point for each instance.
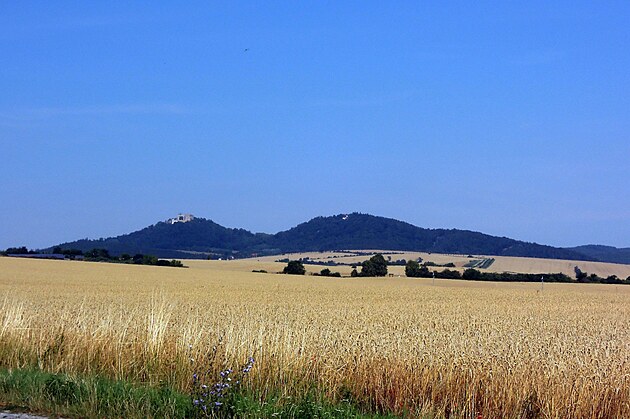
(363, 231)
(201, 237)
(193, 239)
(605, 253)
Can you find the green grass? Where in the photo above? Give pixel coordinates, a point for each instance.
(33, 390)
(59, 394)
(308, 407)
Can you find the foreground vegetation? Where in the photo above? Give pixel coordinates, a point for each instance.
(393, 346)
(34, 390)
(67, 396)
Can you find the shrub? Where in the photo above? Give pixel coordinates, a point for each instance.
(294, 267)
(448, 274)
(327, 272)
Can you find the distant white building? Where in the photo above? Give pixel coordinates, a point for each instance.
(181, 218)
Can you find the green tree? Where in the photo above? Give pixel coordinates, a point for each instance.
(98, 254)
(448, 274)
(375, 266)
(149, 260)
(580, 275)
(472, 274)
(328, 272)
(294, 267)
(612, 279)
(17, 250)
(594, 278)
(415, 270)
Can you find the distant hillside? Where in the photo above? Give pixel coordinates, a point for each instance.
(363, 231)
(604, 253)
(196, 238)
(200, 237)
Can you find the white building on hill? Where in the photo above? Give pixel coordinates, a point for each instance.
(181, 218)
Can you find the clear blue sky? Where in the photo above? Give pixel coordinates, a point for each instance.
(510, 119)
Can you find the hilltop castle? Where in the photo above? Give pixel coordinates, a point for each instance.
(181, 218)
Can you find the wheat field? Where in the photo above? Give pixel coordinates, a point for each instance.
(408, 346)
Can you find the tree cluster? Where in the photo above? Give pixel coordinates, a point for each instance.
(585, 278)
(374, 266)
(102, 255)
(475, 275)
(397, 262)
(327, 272)
(18, 251)
(294, 267)
(416, 270)
(68, 253)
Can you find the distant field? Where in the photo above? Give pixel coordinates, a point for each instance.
(501, 263)
(456, 348)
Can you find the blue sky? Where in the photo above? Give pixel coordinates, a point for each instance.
(508, 118)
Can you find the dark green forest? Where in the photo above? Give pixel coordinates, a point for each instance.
(201, 238)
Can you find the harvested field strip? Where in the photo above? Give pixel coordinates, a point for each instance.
(480, 263)
(485, 264)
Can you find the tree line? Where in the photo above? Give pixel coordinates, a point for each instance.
(98, 255)
(377, 266)
(102, 255)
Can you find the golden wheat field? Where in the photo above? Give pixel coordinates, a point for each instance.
(453, 349)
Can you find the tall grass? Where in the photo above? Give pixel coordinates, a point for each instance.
(68, 396)
(386, 345)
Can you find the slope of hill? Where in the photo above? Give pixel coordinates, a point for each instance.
(195, 238)
(604, 253)
(201, 237)
(363, 231)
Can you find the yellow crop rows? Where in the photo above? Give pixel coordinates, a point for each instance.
(453, 349)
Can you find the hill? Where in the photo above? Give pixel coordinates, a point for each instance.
(363, 231)
(200, 238)
(605, 253)
(194, 239)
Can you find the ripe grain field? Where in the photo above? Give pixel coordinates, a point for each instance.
(456, 349)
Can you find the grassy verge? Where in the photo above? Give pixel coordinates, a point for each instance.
(94, 397)
(59, 394)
